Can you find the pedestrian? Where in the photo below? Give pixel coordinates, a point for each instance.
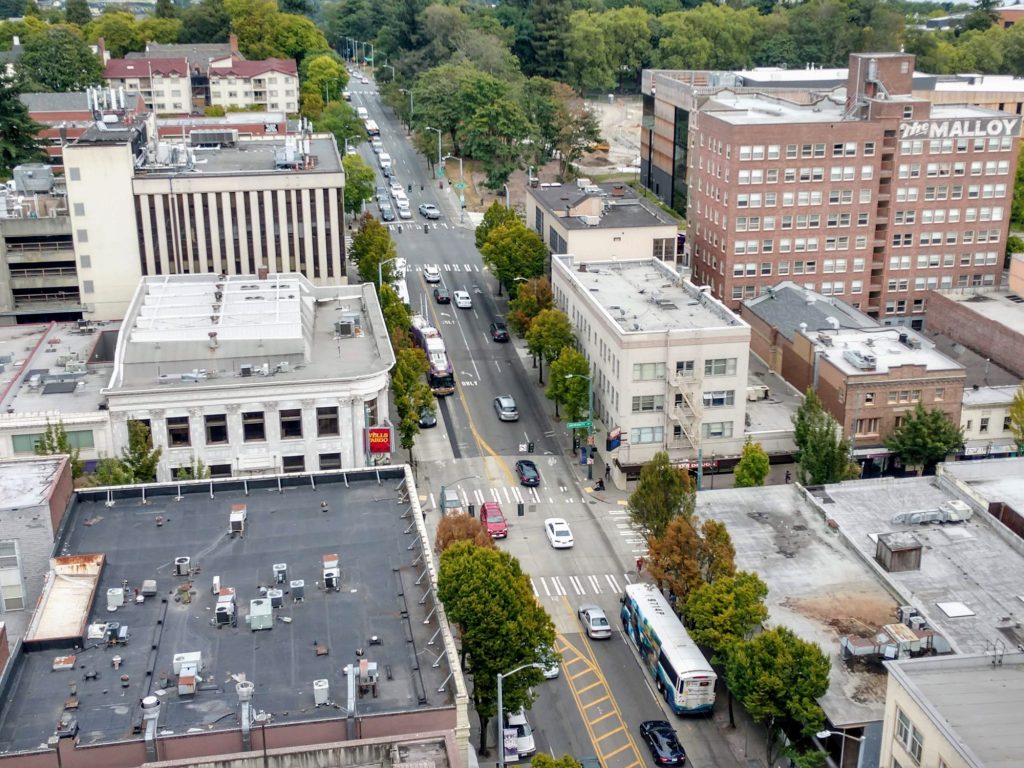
(639, 565)
(607, 471)
(788, 477)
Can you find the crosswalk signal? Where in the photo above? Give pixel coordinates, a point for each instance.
(529, 447)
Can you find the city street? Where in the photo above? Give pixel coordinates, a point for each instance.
(597, 703)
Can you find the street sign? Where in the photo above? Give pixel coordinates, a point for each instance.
(459, 185)
(580, 424)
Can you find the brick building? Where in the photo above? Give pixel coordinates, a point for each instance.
(990, 323)
(164, 84)
(868, 193)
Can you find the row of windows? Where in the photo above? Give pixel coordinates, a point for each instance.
(764, 268)
(799, 244)
(789, 199)
(179, 432)
(793, 151)
(932, 261)
(948, 146)
(800, 221)
(721, 366)
(804, 175)
(927, 239)
(933, 170)
(713, 430)
(985, 421)
(949, 192)
(827, 288)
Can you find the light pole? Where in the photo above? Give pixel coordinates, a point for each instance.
(439, 161)
(354, 136)
(823, 735)
(408, 91)
(590, 419)
(462, 193)
(501, 711)
(380, 273)
(451, 484)
(507, 204)
(389, 66)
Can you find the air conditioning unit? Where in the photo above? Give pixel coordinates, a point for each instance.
(343, 329)
(245, 370)
(182, 566)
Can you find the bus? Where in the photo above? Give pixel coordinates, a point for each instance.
(372, 129)
(440, 377)
(679, 669)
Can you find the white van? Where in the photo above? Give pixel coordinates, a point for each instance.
(384, 158)
(362, 113)
(525, 743)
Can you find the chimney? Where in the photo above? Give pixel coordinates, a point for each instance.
(618, 190)
(233, 44)
(262, 273)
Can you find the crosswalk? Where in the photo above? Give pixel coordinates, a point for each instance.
(514, 494)
(584, 584)
(629, 532)
(450, 267)
(413, 226)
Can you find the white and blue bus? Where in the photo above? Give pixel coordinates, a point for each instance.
(684, 677)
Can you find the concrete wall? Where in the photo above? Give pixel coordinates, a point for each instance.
(961, 323)
(1017, 273)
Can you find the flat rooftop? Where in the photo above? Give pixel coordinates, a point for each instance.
(817, 586)
(208, 330)
(972, 574)
(772, 414)
(55, 367)
(885, 347)
(27, 483)
(787, 305)
(995, 480)
(974, 701)
(255, 155)
(357, 516)
(738, 108)
(621, 207)
(998, 396)
(648, 296)
(979, 369)
(229, 119)
(981, 83)
(1000, 306)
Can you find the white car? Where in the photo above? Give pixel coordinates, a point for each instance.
(524, 733)
(558, 532)
(396, 188)
(432, 274)
(462, 300)
(594, 621)
(404, 213)
(351, 150)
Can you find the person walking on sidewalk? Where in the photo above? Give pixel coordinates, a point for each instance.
(639, 565)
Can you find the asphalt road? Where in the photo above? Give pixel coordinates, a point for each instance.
(596, 705)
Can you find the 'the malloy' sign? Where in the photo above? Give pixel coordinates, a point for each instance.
(957, 129)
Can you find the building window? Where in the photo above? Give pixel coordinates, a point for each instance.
(12, 590)
(330, 461)
(78, 438)
(940, 393)
(291, 423)
(647, 435)
(648, 371)
(1007, 423)
(253, 427)
(713, 430)
(684, 368)
(983, 424)
(722, 366)
(663, 248)
(867, 426)
(908, 736)
(220, 470)
(83, 236)
(869, 398)
(79, 209)
(721, 399)
(216, 429)
(327, 421)
(370, 411)
(178, 432)
(648, 403)
(293, 463)
(75, 174)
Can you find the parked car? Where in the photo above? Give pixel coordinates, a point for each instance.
(427, 418)
(661, 739)
(432, 273)
(441, 295)
(493, 519)
(429, 211)
(364, 81)
(462, 300)
(559, 533)
(505, 407)
(595, 623)
(499, 332)
(524, 733)
(527, 472)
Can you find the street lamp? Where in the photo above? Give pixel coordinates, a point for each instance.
(380, 273)
(507, 204)
(501, 711)
(462, 194)
(438, 131)
(590, 419)
(454, 483)
(353, 136)
(408, 91)
(822, 735)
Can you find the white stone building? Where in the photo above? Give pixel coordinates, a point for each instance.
(252, 374)
(985, 419)
(669, 362)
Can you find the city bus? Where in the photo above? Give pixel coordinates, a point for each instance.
(440, 377)
(683, 676)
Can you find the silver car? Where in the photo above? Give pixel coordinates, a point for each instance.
(506, 409)
(595, 623)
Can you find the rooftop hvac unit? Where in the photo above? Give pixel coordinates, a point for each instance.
(261, 615)
(918, 622)
(179, 660)
(343, 329)
(215, 587)
(860, 360)
(115, 598)
(276, 597)
(188, 679)
(298, 589)
(211, 138)
(280, 572)
(332, 579)
(225, 614)
(236, 524)
(245, 370)
(904, 612)
(321, 692)
(182, 566)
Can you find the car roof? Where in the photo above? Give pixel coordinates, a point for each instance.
(556, 521)
(503, 399)
(441, 289)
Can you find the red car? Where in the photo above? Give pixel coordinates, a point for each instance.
(493, 520)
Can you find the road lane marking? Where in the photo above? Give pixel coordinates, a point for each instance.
(576, 585)
(534, 585)
(613, 583)
(558, 585)
(595, 584)
(606, 715)
(609, 755)
(581, 691)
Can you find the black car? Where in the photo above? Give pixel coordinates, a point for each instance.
(382, 194)
(441, 296)
(427, 418)
(387, 213)
(663, 743)
(499, 332)
(528, 474)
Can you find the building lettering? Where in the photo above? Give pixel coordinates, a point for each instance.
(956, 129)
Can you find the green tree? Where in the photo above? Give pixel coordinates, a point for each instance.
(119, 30)
(544, 760)
(295, 36)
(822, 455)
(359, 179)
(325, 75)
(1017, 419)
(494, 217)
(397, 318)
(513, 252)
(777, 677)
(726, 610)
(196, 469)
(549, 332)
(567, 385)
(753, 466)
(448, 95)
(77, 12)
(531, 298)
(138, 460)
(59, 59)
(205, 22)
(627, 33)
(165, 9)
(501, 624)
(371, 248)
(925, 437)
(18, 131)
(54, 442)
(589, 66)
(549, 20)
(411, 393)
(341, 120)
(662, 493)
(165, 31)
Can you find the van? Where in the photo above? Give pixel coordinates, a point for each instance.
(525, 743)
(384, 158)
(362, 113)
(377, 145)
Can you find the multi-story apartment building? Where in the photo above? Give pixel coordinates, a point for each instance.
(141, 207)
(669, 362)
(272, 84)
(985, 420)
(900, 198)
(164, 84)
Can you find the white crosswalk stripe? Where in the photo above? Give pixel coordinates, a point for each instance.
(580, 585)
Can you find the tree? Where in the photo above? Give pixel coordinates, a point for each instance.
(726, 610)
(567, 384)
(544, 760)
(1017, 419)
(359, 180)
(164, 31)
(196, 469)
(165, 9)
(501, 624)
(138, 460)
(454, 528)
(371, 248)
(58, 59)
(588, 64)
(662, 493)
(55, 442)
(777, 677)
(341, 120)
(549, 332)
(448, 95)
(512, 251)
(809, 412)
(411, 393)
(753, 466)
(925, 437)
(18, 131)
(205, 22)
(119, 30)
(550, 22)
(494, 217)
(684, 557)
(396, 317)
(822, 455)
(77, 12)
(531, 298)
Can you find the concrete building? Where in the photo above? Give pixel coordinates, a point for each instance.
(989, 322)
(669, 362)
(200, 131)
(252, 374)
(926, 722)
(35, 493)
(304, 613)
(985, 420)
(140, 207)
(272, 84)
(601, 222)
(1001, 92)
(164, 84)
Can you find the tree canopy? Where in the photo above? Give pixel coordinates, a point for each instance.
(823, 455)
(686, 555)
(567, 384)
(753, 466)
(531, 298)
(454, 528)
(17, 130)
(924, 437)
(513, 253)
(57, 58)
(549, 333)
(359, 183)
(727, 610)
(662, 493)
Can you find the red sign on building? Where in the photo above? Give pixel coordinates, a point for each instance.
(378, 439)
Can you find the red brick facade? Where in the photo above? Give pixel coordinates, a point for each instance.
(1003, 345)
